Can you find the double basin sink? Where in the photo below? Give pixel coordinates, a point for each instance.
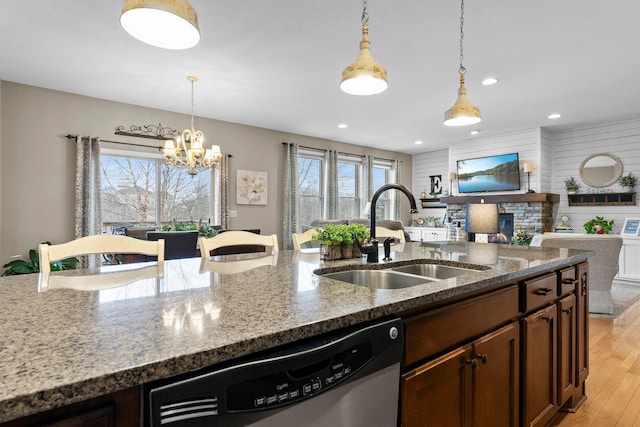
(403, 276)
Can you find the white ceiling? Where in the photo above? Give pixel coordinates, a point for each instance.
(277, 64)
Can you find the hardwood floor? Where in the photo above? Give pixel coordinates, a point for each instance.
(613, 385)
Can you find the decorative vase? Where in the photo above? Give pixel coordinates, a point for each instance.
(331, 252)
(347, 251)
(356, 251)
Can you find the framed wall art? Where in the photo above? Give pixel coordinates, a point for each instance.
(252, 187)
(631, 227)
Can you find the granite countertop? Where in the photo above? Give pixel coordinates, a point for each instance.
(60, 346)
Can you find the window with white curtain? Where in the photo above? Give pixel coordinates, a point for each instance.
(140, 188)
(310, 186)
(349, 189)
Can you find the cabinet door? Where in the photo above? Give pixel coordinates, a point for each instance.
(415, 234)
(566, 348)
(496, 390)
(582, 333)
(438, 392)
(539, 364)
(629, 255)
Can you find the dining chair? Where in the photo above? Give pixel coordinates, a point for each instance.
(177, 244)
(98, 244)
(237, 239)
(386, 232)
(300, 238)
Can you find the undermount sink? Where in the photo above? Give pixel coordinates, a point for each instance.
(437, 271)
(379, 279)
(400, 277)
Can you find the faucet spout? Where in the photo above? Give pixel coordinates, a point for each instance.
(376, 195)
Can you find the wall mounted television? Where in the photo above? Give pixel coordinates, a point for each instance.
(492, 173)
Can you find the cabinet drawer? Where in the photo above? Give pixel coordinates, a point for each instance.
(566, 281)
(538, 292)
(436, 331)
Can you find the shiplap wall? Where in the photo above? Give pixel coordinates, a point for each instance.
(424, 165)
(571, 147)
(556, 156)
(525, 143)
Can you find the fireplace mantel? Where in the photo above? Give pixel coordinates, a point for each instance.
(504, 198)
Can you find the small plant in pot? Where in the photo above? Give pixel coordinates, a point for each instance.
(598, 225)
(571, 185)
(332, 236)
(32, 265)
(628, 181)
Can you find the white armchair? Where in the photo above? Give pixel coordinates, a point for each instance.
(603, 266)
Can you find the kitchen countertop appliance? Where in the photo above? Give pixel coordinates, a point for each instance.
(344, 378)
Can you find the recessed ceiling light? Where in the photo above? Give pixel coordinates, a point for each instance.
(418, 142)
(490, 81)
(474, 132)
(554, 116)
(342, 126)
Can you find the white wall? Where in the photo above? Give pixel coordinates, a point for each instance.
(425, 165)
(37, 166)
(571, 147)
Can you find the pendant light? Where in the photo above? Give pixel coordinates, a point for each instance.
(462, 113)
(365, 76)
(170, 24)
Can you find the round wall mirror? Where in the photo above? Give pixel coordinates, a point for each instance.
(600, 170)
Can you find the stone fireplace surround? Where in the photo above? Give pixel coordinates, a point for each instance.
(532, 212)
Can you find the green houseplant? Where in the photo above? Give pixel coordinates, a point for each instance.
(32, 265)
(598, 225)
(628, 181)
(521, 238)
(571, 185)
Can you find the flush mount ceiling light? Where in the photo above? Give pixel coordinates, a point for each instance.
(462, 113)
(170, 24)
(365, 76)
(554, 116)
(194, 158)
(490, 81)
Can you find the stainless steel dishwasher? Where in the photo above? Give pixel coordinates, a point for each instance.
(346, 378)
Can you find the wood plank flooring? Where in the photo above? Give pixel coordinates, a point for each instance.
(613, 385)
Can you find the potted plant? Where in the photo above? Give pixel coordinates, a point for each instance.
(521, 238)
(628, 181)
(331, 236)
(361, 232)
(598, 225)
(432, 221)
(32, 265)
(571, 185)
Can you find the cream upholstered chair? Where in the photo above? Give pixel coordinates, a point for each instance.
(386, 232)
(300, 238)
(98, 244)
(236, 238)
(603, 266)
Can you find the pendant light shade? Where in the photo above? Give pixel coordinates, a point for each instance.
(170, 24)
(462, 113)
(365, 76)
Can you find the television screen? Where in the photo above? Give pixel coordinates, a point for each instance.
(493, 173)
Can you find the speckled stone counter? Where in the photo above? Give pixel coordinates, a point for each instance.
(61, 346)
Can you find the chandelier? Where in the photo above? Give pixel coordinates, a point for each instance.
(195, 158)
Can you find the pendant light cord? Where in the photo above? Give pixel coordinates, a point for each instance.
(192, 105)
(462, 69)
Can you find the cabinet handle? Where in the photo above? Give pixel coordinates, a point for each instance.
(546, 319)
(472, 362)
(543, 291)
(483, 357)
(567, 311)
(569, 281)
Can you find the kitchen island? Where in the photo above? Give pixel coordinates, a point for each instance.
(63, 346)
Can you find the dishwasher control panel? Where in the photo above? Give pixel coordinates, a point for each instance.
(290, 385)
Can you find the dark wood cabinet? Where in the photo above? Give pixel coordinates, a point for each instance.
(473, 385)
(539, 366)
(582, 336)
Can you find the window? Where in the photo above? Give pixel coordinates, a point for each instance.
(382, 174)
(348, 189)
(310, 185)
(144, 189)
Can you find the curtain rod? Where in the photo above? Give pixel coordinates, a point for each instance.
(341, 153)
(158, 147)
